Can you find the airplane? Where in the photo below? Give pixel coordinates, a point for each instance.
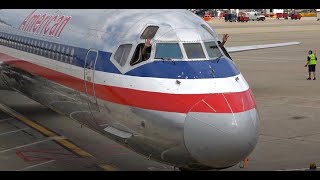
(187, 105)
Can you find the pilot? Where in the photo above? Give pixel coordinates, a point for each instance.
(224, 40)
(146, 50)
(311, 63)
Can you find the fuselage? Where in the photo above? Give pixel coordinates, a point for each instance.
(187, 104)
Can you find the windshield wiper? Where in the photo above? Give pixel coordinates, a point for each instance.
(168, 59)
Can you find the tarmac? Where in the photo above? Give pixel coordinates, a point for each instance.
(288, 105)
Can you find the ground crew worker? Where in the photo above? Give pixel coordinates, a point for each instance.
(311, 63)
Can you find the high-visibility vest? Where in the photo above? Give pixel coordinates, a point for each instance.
(312, 59)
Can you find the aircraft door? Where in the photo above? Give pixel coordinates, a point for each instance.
(89, 68)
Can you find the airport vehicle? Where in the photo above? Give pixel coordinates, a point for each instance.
(207, 16)
(242, 17)
(295, 16)
(231, 17)
(256, 16)
(318, 14)
(282, 15)
(188, 105)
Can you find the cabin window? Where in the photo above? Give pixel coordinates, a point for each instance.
(62, 53)
(58, 53)
(53, 52)
(31, 46)
(138, 54)
(34, 46)
(71, 56)
(41, 48)
(38, 48)
(49, 50)
(24, 44)
(122, 53)
(149, 32)
(212, 49)
(66, 55)
(168, 51)
(194, 50)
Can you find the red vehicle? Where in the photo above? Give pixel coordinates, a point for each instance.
(242, 18)
(207, 16)
(295, 16)
(282, 15)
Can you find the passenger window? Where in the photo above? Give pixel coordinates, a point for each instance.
(212, 49)
(194, 50)
(49, 50)
(122, 53)
(31, 46)
(53, 52)
(45, 50)
(58, 53)
(138, 55)
(39, 48)
(168, 51)
(149, 32)
(42, 49)
(71, 56)
(61, 55)
(66, 55)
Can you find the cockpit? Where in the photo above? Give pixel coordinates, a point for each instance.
(177, 45)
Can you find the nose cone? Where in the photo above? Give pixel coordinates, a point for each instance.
(219, 134)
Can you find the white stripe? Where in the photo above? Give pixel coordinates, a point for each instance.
(2, 120)
(35, 165)
(30, 144)
(13, 131)
(151, 84)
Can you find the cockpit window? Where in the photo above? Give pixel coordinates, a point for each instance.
(122, 53)
(194, 50)
(212, 49)
(168, 51)
(149, 32)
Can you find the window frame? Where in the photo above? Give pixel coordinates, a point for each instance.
(216, 42)
(128, 57)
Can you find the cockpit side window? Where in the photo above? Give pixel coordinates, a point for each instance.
(122, 53)
(168, 51)
(212, 49)
(194, 50)
(149, 32)
(138, 55)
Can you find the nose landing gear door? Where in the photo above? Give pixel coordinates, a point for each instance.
(89, 69)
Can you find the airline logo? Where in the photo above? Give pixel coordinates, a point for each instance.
(45, 24)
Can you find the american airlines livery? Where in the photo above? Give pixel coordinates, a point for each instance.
(186, 105)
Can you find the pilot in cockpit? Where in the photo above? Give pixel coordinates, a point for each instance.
(146, 50)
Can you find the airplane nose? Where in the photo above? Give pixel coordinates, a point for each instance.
(218, 134)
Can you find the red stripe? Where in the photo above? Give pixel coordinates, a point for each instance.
(181, 103)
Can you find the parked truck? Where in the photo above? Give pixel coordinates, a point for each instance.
(256, 16)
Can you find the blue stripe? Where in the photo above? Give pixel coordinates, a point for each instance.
(187, 69)
(160, 69)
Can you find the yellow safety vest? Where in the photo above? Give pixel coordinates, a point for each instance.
(312, 59)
